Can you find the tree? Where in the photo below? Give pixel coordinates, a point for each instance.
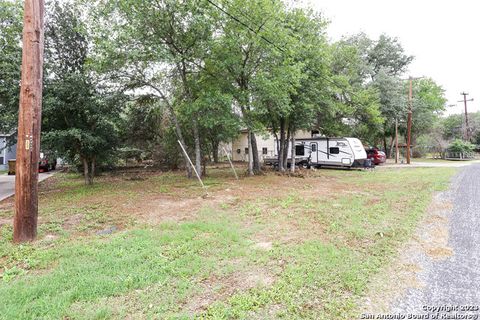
(289, 87)
(240, 52)
(428, 104)
(380, 63)
(159, 46)
(10, 62)
(351, 106)
(79, 118)
(387, 55)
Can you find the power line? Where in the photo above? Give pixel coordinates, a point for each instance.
(282, 50)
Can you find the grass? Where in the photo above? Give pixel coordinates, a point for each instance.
(264, 248)
(432, 160)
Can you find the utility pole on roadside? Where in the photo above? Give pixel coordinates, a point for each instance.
(29, 123)
(409, 117)
(466, 132)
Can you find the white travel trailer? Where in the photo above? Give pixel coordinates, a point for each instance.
(324, 151)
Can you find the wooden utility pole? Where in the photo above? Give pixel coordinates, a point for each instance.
(409, 119)
(466, 132)
(29, 124)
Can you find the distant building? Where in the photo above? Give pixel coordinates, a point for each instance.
(265, 144)
(8, 151)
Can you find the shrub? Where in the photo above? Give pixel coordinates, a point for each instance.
(461, 146)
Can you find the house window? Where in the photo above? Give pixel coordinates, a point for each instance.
(334, 150)
(300, 150)
(246, 150)
(264, 151)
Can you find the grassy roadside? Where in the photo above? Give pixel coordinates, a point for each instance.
(266, 247)
(431, 160)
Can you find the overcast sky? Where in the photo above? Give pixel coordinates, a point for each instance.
(442, 35)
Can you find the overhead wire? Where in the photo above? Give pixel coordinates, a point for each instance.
(282, 50)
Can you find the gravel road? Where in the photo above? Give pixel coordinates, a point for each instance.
(450, 278)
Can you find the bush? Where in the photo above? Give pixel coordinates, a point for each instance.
(461, 146)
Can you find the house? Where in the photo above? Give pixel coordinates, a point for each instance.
(265, 144)
(8, 150)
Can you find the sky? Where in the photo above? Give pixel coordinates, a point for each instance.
(442, 35)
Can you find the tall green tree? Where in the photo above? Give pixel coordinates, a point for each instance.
(382, 63)
(352, 104)
(160, 46)
(241, 53)
(428, 105)
(78, 116)
(10, 62)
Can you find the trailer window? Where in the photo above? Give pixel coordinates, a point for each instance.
(246, 150)
(314, 147)
(264, 151)
(334, 150)
(300, 150)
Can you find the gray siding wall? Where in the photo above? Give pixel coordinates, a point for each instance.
(6, 153)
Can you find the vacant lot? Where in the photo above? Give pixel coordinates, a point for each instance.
(147, 245)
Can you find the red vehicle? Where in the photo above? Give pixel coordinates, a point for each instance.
(45, 164)
(377, 156)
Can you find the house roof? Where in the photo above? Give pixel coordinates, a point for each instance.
(6, 134)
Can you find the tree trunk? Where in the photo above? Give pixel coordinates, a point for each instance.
(215, 151)
(198, 151)
(88, 167)
(292, 166)
(178, 130)
(256, 160)
(390, 152)
(250, 153)
(281, 151)
(85, 170)
(385, 144)
(285, 150)
(204, 163)
(92, 170)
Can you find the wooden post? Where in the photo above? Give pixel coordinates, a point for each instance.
(29, 124)
(409, 120)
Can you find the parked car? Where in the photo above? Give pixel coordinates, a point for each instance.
(46, 164)
(377, 156)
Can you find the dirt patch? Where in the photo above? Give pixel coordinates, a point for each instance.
(220, 288)
(265, 246)
(72, 222)
(5, 221)
(440, 253)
